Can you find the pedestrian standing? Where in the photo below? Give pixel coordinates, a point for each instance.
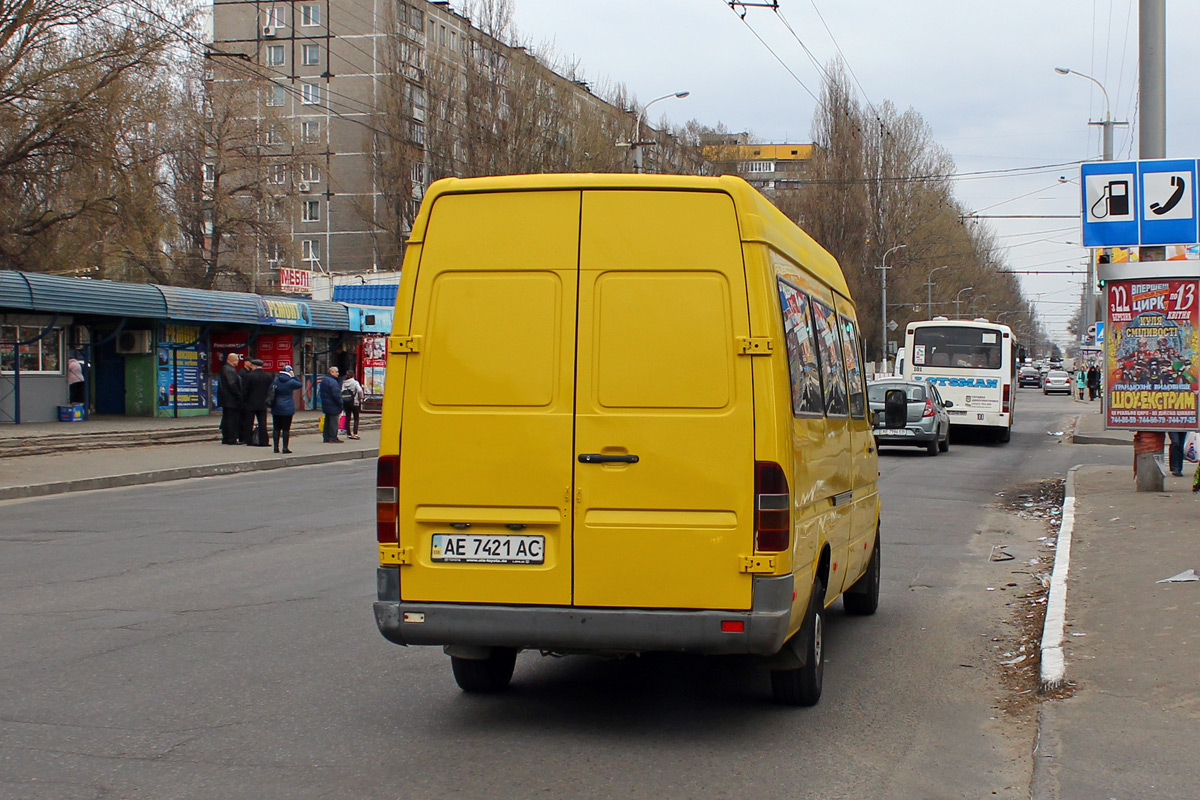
(1093, 381)
(256, 385)
(1175, 453)
(352, 400)
(331, 406)
(229, 398)
(1080, 382)
(75, 383)
(284, 407)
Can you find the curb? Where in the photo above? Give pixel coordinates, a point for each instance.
(180, 473)
(1054, 667)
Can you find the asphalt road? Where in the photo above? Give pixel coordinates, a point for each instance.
(214, 639)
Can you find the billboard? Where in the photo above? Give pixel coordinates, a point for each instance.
(1151, 341)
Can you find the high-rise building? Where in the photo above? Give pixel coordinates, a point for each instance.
(376, 99)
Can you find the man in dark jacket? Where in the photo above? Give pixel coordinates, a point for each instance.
(256, 385)
(331, 406)
(229, 398)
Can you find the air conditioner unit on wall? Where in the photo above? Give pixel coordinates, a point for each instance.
(268, 31)
(304, 187)
(134, 342)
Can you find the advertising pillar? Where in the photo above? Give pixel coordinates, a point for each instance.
(1151, 343)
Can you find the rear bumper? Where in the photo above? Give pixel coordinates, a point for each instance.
(918, 436)
(578, 629)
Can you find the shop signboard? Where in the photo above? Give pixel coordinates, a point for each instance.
(295, 281)
(182, 368)
(374, 365)
(283, 313)
(1151, 342)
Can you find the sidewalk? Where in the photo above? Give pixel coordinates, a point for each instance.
(1131, 644)
(107, 452)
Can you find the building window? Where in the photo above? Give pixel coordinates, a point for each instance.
(44, 355)
(417, 174)
(310, 172)
(273, 135)
(277, 173)
(310, 131)
(310, 16)
(210, 173)
(271, 209)
(418, 18)
(273, 17)
(276, 95)
(416, 132)
(310, 211)
(311, 54)
(310, 249)
(271, 252)
(758, 166)
(275, 55)
(310, 94)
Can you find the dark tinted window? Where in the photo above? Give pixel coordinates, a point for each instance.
(802, 350)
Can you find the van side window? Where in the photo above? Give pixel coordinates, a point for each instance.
(854, 375)
(833, 373)
(802, 351)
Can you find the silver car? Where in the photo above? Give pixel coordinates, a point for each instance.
(928, 424)
(1056, 381)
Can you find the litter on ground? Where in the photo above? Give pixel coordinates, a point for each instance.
(1187, 576)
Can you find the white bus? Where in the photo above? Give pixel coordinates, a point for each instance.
(973, 363)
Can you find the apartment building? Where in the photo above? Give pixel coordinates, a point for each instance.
(379, 98)
(767, 167)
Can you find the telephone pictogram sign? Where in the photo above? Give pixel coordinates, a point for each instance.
(1136, 203)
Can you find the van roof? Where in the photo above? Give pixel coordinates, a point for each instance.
(758, 220)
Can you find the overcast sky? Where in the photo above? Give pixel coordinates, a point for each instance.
(980, 73)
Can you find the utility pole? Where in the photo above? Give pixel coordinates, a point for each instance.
(883, 331)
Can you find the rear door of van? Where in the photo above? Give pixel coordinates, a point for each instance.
(664, 417)
(487, 428)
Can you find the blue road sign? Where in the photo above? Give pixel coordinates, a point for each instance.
(1109, 203)
(1135, 203)
(1168, 201)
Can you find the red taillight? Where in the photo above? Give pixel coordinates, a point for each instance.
(928, 412)
(1007, 397)
(733, 626)
(387, 499)
(772, 508)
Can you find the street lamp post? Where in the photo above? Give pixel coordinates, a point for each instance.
(975, 301)
(929, 290)
(957, 312)
(637, 133)
(1089, 298)
(883, 307)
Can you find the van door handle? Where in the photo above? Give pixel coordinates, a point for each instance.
(601, 458)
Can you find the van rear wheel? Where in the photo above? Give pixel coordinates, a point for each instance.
(862, 599)
(802, 686)
(484, 675)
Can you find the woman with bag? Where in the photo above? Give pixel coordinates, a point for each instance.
(283, 406)
(352, 400)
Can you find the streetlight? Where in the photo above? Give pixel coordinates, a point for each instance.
(929, 290)
(1089, 300)
(957, 313)
(1108, 123)
(883, 308)
(637, 134)
(975, 301)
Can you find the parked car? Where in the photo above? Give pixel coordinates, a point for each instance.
(1029, 376)
(1056, 381)
(928, 422)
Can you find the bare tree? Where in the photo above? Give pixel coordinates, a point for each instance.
(72, 149)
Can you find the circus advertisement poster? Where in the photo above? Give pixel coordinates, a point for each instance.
(1150, 350)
